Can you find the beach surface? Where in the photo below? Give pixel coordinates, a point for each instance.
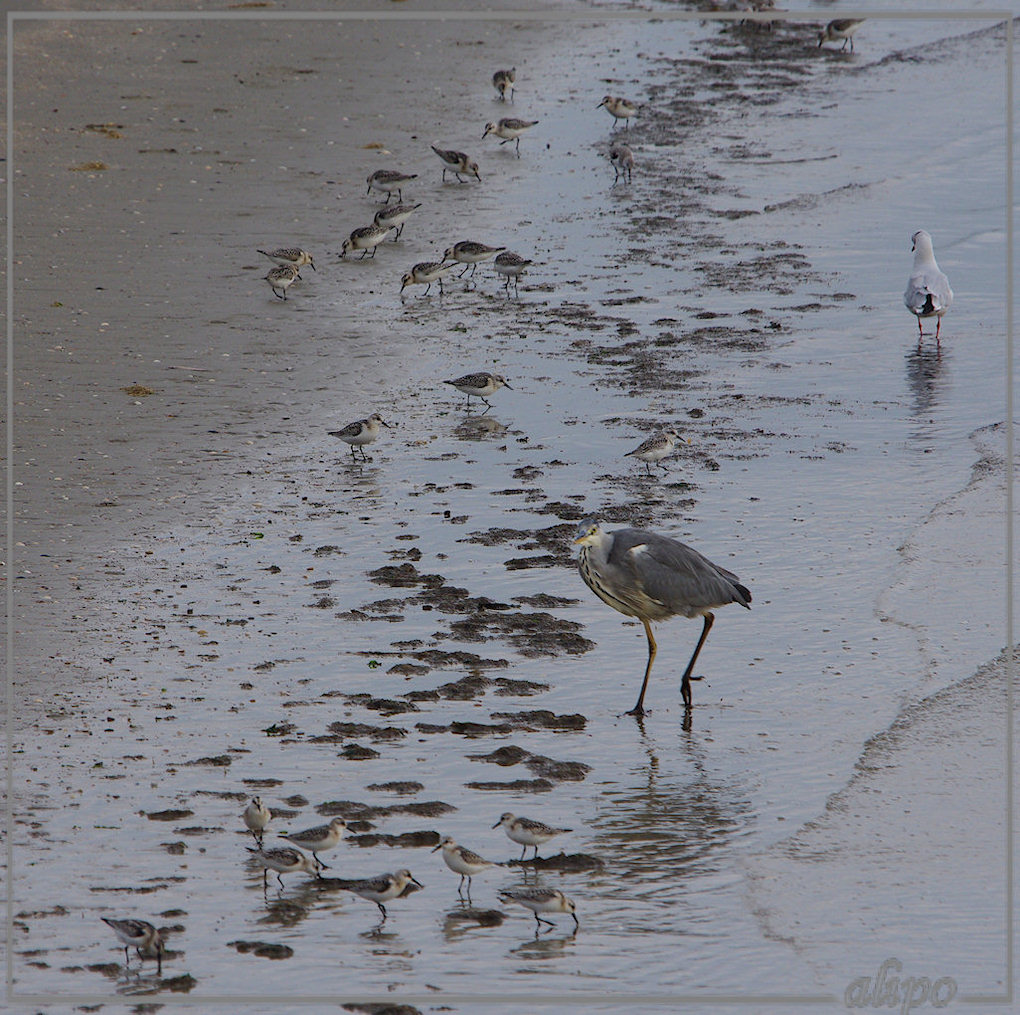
(213, 600)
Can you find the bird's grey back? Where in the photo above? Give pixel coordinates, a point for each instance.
(683, 580)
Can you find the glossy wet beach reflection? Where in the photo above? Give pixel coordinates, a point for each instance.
(405, 642)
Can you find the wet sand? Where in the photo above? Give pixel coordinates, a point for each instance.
(213, 602)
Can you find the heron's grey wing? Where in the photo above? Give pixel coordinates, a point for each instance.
(677, 575)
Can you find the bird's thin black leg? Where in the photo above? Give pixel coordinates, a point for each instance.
(685, 680)
(524, 850)
(280, 879)
(382, 909)
(639, 708)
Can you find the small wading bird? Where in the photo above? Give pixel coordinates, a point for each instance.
(290, 255)
(528, 832)
(504, 79)
(284, 861)
(657, 447)
(622, 159)
(462, 861)
(470, 254)
(425, 273)
(509, 130)
(511, 266)
(389, 180)
(621, 108)
(378, 890)
(456, 163)
(141, 936)
(281, 278)
(319, 838)
(841, 28)
(928, 293)
(541, 900)
(360, 432)
(642, 574)
(394, 217)
(365, 239)
(479, 385)
(256, 816)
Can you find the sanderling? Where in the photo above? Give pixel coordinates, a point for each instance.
(281, 278)
(360, 433)
(283, 860)
(479, 385)
(622, 159)
(841, 28)
(470, 254)
(462, 861)
(365, 239)
(319, 838)
(142, 936)
(511, 266)
(928, 293)
(527, 832)
(290, 255)
(509, 129)
(541, 900)
(425, 273)
(394, 217)
(657, 447)
(504, 79)
(378, 890)
(456, 163)
(389, 180)
(621, 108)
(256, 816)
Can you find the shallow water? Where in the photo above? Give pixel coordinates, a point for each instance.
(747, 285)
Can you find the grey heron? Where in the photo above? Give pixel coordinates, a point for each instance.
(642, 574)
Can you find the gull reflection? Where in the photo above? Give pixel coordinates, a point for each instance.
(925, 377)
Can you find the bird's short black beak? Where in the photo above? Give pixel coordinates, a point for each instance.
(498, 823)
(440, 846)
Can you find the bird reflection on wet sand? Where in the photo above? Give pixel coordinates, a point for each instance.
(925, 367)
(479, 428)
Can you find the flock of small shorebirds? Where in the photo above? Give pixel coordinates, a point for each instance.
(620, 567)
(149, 942)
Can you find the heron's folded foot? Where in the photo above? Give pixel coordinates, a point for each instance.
(637, 710)
(685, 689)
